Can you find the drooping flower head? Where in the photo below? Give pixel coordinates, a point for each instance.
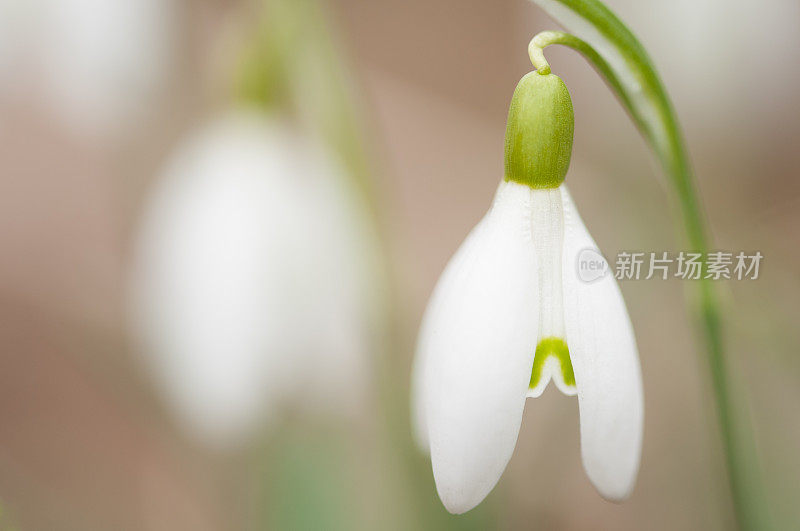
(97, 65)
(252, 285)
(511, 313)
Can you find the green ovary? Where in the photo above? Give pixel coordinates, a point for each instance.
(557, 348)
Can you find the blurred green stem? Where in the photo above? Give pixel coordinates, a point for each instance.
(619, 57)
(295, 65)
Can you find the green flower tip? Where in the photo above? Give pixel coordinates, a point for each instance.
(539, 131)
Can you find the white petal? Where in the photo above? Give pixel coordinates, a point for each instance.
(477, 350)
(448, 284)
(603, 352)
(548, 239)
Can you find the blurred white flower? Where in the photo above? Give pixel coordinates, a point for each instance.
(96, 62)
(253, 279)
(704, 65)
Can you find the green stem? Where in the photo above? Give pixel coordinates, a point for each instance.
(649, 107)
(546, 38)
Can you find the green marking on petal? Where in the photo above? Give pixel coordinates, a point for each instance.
(552, 347)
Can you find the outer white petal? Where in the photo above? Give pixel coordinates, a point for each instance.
(604, 356)
(477, 351)
(448, 284)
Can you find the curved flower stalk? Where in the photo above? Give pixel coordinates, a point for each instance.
(619, 57)
(252, 282)
(96, 63)
(511, 312)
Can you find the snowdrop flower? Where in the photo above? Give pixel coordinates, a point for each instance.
(105, 59)
(511, 313)
(252, 280)
(96, 63)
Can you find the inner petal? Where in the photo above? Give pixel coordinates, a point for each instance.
(551, 358)
(551, 362)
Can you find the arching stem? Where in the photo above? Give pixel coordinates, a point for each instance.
(644, 97)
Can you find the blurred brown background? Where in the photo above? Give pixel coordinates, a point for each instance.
(86, 444)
